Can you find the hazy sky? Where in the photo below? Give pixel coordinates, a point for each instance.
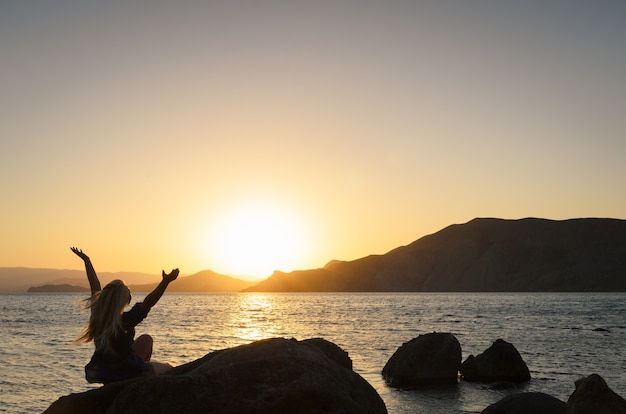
(148, 132)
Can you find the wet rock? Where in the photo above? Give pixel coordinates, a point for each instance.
(593, 396)
(499, 362)
(332, 351)
(525, 403)
(269, 376)
(431, 359)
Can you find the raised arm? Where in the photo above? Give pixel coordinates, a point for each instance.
(154, 296)
(94, 283)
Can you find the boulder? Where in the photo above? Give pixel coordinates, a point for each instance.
(431, 359)
(499, 362)
(525, 403)
(269, 376)
(593, 396)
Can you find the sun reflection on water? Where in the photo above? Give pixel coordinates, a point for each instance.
(253, 320)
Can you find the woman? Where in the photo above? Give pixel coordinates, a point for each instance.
(118, 355)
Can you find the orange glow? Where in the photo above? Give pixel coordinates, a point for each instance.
(349, 141)
(257, 238)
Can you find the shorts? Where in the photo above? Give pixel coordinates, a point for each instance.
(101, 371)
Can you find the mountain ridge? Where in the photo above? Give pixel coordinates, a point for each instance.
(484, 254)
(21, 279)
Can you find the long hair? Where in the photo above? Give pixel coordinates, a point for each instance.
(105, 322)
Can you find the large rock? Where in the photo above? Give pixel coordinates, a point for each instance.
(269, 376)
(499, 362)
(431, 359)
(593, 396)
(525, 403)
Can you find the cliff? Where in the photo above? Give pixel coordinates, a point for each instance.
(483, 255)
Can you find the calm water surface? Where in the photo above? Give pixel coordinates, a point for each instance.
(561, 337)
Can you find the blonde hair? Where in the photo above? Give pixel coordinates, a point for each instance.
(105, 322)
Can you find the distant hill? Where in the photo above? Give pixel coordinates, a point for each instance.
(57, 288)
(205, 281)
(19, 279)
(22, 279)
(483, 255)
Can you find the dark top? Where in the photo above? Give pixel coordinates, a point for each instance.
(123, 363)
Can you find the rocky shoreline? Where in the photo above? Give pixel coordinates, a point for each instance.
(436, 359)
(281, 375)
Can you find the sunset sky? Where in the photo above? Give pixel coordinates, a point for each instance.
(248, 136)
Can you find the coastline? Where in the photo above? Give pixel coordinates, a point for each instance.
(554, 333)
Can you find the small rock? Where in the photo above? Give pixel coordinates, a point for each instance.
(601, 330)
(499, 362)
(593, 396)
(527, 403)
(431, 359)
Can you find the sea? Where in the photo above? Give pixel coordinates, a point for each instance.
(561, 337)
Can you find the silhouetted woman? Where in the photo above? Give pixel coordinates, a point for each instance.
(118, 355)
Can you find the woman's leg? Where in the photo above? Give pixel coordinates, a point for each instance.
(159, 368)
(143, 347)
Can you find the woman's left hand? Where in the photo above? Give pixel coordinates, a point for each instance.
(170, 277)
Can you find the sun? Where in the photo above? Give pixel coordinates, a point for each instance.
(255, 239)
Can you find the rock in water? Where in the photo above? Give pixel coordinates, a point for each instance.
(431, 359)
(525, 403)
(499, 362)
(593, 396)
(269, 376)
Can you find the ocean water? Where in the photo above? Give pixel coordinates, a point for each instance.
(561, 337)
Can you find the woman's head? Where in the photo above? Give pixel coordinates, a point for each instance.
(105, 322)
(115, 296)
